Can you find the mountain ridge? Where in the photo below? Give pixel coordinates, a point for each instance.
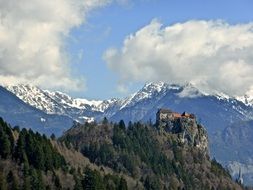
(63, 104)
(215, 112)
(17, 112)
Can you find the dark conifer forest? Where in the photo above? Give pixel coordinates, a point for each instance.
(112, 156)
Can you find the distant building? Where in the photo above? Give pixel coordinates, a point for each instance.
(184, 126)
(165, 115)
(188, 115)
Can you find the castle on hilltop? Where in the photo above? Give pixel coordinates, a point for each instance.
(163, 116)
(184, 126)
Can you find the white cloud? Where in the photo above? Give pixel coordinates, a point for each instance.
(213, 55)
(32, 34)
(122, 88)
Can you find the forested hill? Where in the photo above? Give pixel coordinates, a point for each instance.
(155, 157)
(107, 156)
(30, 161)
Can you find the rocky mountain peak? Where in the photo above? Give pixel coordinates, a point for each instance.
(247, 99)
(79, 108)
(154, 86)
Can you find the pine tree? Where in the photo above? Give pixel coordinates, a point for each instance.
(57, 182)
(78, 184)
(34, 179)
(12, 181)
(53, 137)
(5, 145)
(88, 182)
(39, 159)
(41, 185)
(122, 184)
(20, 147)
(10, 137)
(16, 128)
(25, 165)
(6, 140)
(27, 183)
(3, 183)
(152, 183)
(122, 125)
(92, 180)
(105, 121)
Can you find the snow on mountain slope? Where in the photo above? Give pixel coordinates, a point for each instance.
(158, 89)
(68, 101)
(247, 99)
(18, 113)
(57, 102)
(142, 104)
(149, 90)
(37, 98)
(79, 109)
(52, 102)
(62, 104)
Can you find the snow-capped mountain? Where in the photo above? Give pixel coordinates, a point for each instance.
(37, 98)
(18, 113)
(79, 108)
(148, 91)
(145, 101)
(215, 111)
(247, 99)
(51, 102)
(60, 103)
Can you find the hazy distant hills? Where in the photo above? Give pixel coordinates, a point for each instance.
(233, 146)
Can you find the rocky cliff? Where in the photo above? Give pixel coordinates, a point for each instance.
(185, 126)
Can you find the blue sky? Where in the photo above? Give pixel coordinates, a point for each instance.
(99, 49)
(108, 26)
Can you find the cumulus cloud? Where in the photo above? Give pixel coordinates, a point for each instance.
(213, 55)
(32, 34)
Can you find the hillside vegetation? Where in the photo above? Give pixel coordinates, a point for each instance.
(31, 161)
(109, 156)
(156, 159)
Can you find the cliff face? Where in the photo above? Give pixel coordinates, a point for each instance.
(185, 126)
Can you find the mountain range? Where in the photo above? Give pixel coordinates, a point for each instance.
(19, 113)
(218, 112)
(146, 100)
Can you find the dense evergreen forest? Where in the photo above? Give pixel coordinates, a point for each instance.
(107, 155)
(29, 161)
(155, 159)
